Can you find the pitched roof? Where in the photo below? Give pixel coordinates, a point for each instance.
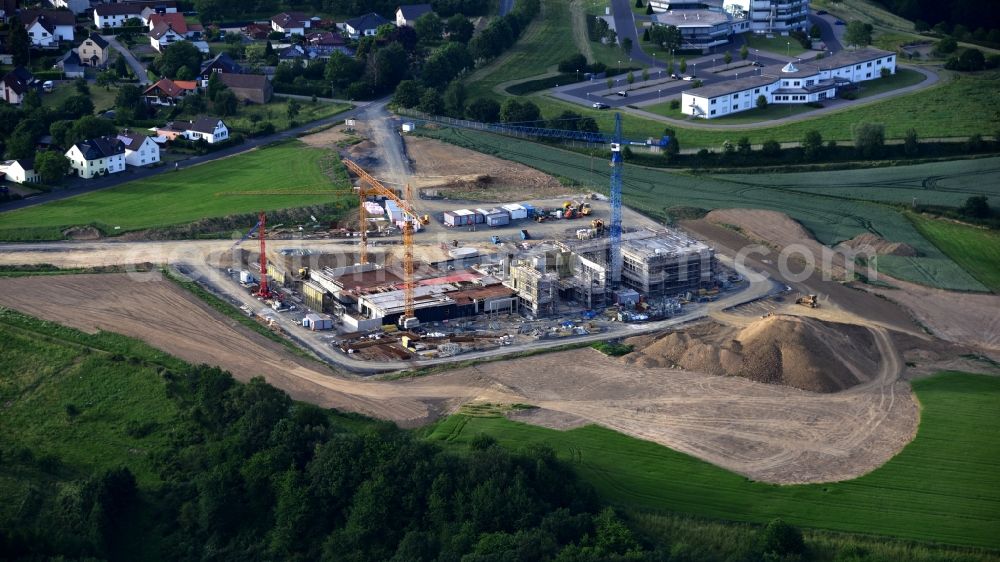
(370, 20)
(290, 19)
(414, 11)
(325, 38)
(223, 61)
(101, 147)
(175, 20)
(132, 8)
(18, 80)
(53, 17)
(131, 140)
(204, 124)
(69, 59)
(247, 81)
(98, 40)
(172, 88)
(24, 163)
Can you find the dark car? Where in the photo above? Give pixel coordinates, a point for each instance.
(822, 13)
(755, 63)
(600, 105)
(839, 22)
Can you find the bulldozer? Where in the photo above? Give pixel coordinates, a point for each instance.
(808, 300)
(597, 225)
(585, 208)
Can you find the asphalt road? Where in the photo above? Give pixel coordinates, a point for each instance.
(830, 34)
(81, 186)
(506, 6)
(137, 68)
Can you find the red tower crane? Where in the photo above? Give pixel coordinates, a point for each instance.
(263, 290)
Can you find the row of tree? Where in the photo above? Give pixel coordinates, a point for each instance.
(238, 10)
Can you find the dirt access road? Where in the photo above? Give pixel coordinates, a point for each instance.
(766, 432)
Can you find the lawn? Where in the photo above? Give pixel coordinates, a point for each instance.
(975, 249)
(103, 99)
(209, 190)
(830, 218)
(784, 46)
(943, 487)
(769, 113)
(276, 113)
(901, 79)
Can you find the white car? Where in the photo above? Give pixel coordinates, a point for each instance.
(688, 78)
(600, 105)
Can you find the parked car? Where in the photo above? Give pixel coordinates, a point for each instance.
(839, 22)
(688, 78)
(48, 85)
(757, 64)
(675, 77)
(600, 105)
(821, 12)
(623, 94)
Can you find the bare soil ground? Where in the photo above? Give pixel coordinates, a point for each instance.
(767, 432)
(800, 352)
(328, 138)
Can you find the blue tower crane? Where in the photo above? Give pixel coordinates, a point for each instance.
(616, 204)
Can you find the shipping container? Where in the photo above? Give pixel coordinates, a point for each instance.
(246, 277)
(517, 212)
(498, 218)
(316, 322)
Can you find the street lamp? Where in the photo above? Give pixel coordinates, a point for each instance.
(619, 67)
(788, 48)
(659, 96)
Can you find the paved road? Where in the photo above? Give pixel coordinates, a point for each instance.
(81, 186)
(137, 68)
(621, 10)
(831, 34)
(506, 6)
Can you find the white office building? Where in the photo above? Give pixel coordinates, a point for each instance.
(771, 16)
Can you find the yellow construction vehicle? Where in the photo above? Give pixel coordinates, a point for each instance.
(597, 225)
(425, 220)
(585, 209)
(808, 300)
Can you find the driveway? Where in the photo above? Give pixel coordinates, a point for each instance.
(625, 27)
(81, 186)
(134, 64)
(506, 6)
(830, 33)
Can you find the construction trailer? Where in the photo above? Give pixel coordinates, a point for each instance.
(316, 322)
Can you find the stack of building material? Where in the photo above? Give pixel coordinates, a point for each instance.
(373, 209)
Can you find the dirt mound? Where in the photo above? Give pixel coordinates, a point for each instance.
(363, 153)
(82, 233)
(871, 243)
(794, 351)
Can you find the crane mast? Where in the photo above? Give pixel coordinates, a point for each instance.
(616, 205)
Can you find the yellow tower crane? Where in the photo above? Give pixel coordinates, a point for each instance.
(368, 186)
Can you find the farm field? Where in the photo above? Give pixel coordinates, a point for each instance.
(223, 187)
(830, 219)
(943, 487)
(975, 249)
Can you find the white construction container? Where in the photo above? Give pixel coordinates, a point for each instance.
(517, 212)
(497, 217)
(316, 322)
(408, 127)
(459, 217)
(246, 277)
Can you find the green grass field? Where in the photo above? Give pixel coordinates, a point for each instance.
(830, 217)
(103, 98)
(276, 113)
(259, 179)
(901, 79)
(943, 487)
(975, 249)
(784, 46)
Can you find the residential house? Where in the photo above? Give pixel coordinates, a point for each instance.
(255, 88)
(70, 65)
(46, 28)
(797, 83)
(15, 84)
(257, 31)
(165, 29)
(76, 6)
(325, 42)
(19, 171)
(8, 9)
(295, 54)
(97, 157)
(406, 15)
(209, 129)
(291, 23)
(115, 15)
(163, 36)
(93, 51)
(364, 26)
(221, 63)
(169, 92)
(140, 150)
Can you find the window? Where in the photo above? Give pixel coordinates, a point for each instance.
(857, 67)
(869, 75)
(869, 65)
(713, 112)
(796, 82)
(713, 102)
(757, 91)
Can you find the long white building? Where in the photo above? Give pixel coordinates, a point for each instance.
(771, 16)
(802, 82)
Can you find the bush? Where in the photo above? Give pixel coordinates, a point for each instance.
(573, 63)
(675, 104)
(782, 539)
(614, 349)
(771, 148)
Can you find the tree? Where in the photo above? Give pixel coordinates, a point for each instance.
(969, 60)
(762, 102)
(744, 52)
(178, 55)
(293, 108)
(684, 65)
(19, 43)
(431, 102)
(484, 110)
(911, 146)
(460, 29)
(946, 46)
(771, 148)
(89, 127)
(869, 138)
(815, 32)
(215, 86)
(454, 99)
(977, 207)
(645, 35)
(342, 70)
(514, 111)
(77, 106)
(106, 79)
(185, 73)
(666, 36)
(429, 27)
(51, 165)
(673, 147)
(572, 63)
(225, 103)
(81, 86)
(782, 539)
(388, 66)
(407, 94)
(129, 103)
(638, 4)
(649, 10)
(121, 67)
(812, 145)
(645, 75)
(743, 146)
(728, 57)
(630, 78)
(974, 143)
(858, 34)
(627, 45)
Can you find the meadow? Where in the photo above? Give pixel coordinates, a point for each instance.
(256, 180)
(975, 249)
(829, 217)
(943, 487)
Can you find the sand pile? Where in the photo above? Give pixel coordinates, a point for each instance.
(800, 352)
(871, 243)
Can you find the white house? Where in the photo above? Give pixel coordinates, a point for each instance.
(15, 84)
(804, 82)
(46, 28)
(209, 129)
(364, 26)
(406, 15)
(115, 15)
(163, 36)
(96, 157)
(767, 16)
(140, 150)
(291, 23)
(20, 171)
